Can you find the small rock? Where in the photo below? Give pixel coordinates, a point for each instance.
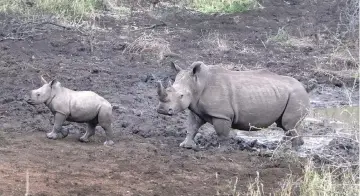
(94, 71)
(138, 113)
(125, 124)
(7, 100)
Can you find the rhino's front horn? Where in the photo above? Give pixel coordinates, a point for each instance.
(160, 89)
(169, 83)
(43, 79)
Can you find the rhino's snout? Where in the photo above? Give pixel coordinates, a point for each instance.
(165, 111)
(27, 98)
(170, 111)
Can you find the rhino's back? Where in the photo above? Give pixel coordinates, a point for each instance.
(257, 97)
(85, 105)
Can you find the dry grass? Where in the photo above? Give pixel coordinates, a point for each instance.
(341, 64)
(315, 181)
(148, 44)
(216, 41)
(349, 20)
(282, 36)
(329, 180)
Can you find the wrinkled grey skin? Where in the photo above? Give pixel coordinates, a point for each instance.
(244, 100)
(73, 106)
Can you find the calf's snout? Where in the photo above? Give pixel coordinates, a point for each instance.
(27, 97)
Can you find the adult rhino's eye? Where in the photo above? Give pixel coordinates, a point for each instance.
(181, 96)
(38, 94)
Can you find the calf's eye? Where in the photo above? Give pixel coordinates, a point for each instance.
(38, 94)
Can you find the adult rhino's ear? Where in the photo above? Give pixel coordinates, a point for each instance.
(177, 68)
(53, 83)
(197, 67)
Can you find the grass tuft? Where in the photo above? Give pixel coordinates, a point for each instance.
(324, 180)
(225, 6)
(281, 36)
(149, 44)
(329, 180)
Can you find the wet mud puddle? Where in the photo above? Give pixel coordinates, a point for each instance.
(321, 127)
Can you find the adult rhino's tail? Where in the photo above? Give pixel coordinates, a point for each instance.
(310, 85)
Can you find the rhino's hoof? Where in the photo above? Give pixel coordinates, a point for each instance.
(83, 139)
(297, 142)
(188, 144)
(64, 133)
(108, 143)
(52, 135)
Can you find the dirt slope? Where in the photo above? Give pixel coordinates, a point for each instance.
(146, 159)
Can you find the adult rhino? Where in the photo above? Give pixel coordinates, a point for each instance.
(73, 106)
(244, 100)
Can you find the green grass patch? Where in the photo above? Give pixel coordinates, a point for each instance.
(225, 6)
(66, 9)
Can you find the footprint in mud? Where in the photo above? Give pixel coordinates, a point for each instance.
(210, 141)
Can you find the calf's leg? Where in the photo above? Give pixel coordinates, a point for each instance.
(105, 121)
(57, 131)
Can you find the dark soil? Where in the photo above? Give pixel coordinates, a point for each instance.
(146, 159)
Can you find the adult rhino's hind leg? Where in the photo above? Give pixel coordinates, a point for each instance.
(89, 132)
(57, 131)
(193, 125)
(295, 111)
(105, 120)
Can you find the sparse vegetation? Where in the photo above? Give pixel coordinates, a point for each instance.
(281, 36)
(226, 6)
(324, 180)
(329, 180)
(147, 43)
(66, 9)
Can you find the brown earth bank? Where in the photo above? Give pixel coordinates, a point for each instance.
(121, 62)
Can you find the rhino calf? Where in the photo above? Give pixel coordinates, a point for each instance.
(73, 106)
(244, 100)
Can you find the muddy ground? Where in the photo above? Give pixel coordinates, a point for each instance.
(146, 159)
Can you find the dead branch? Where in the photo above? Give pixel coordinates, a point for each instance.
(162, 24)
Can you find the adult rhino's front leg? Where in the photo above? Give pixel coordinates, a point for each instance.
(58, 131)
(222, 128)
(193, 125)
